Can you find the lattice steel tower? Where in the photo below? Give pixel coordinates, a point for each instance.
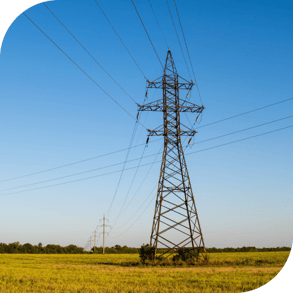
(176, 225)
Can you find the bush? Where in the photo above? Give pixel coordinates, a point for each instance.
(186, 253)
(146, 252)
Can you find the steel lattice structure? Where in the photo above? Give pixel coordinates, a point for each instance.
(176, 224)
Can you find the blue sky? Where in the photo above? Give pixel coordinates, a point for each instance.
(52, 114)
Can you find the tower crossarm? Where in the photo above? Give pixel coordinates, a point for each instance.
(159, 83)
(172, 132)
(183, 106)
(161, 133)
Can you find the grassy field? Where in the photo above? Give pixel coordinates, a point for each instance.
(226, 272)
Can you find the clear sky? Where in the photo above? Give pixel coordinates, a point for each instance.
(51, 114)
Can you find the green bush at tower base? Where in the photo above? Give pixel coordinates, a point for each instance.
(187, 256)
(146, 252)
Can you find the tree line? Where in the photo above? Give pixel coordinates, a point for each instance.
(247, 249)
(16, 247)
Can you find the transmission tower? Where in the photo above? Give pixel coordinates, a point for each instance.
(95, 242)
(104, 231)
(176, 225)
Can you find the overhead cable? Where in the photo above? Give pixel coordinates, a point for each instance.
(90, 54)
(132, 181)
(120, 39)
(83, 70)
(178, 38)
(131, 142)
(147, 33)
(158, 24)
(121, 150)
(77, 162)
(77, 180)
(83, 172)
(235, 133)
(217, 146)
(238, 140)
(143, 157)
(241, 114)
(195, 81)
(136, 213)
(126, 158)
(155, 161)
(245, 129)
(124, 164)
(206, 149)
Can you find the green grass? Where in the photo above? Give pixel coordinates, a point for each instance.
(227, 272)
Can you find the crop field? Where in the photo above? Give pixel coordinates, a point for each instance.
(226, 272)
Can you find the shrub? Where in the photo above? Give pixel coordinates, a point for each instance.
(146, 252)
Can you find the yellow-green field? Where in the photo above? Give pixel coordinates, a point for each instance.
(226, 272)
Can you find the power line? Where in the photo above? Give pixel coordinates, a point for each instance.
(129, 187)
(241, 114)
(80, 173)
(136, 213)
(121, 150)
(155, 161)
(77, 180)
(120, 40)
(90, 54)
(77, 162)
(85, 72)
(124, 164)
(147, 34)
(126, 158)
(122, 211)
(238, 131)
(178, 38)
(242, 139)
(138, 190)
(187, 51)
(190, 154)
(146, 98)
(238, 115)
(158, 24)
(217, 146)
(189, 120)
(142, 157)
(82, 70)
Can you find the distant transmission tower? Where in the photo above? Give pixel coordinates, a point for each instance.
(176, 224)
(104, 231)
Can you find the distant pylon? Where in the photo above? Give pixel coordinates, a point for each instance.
(104, 232)
(86, 246)
(95, 238)
(90, 243)
(175, 225)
